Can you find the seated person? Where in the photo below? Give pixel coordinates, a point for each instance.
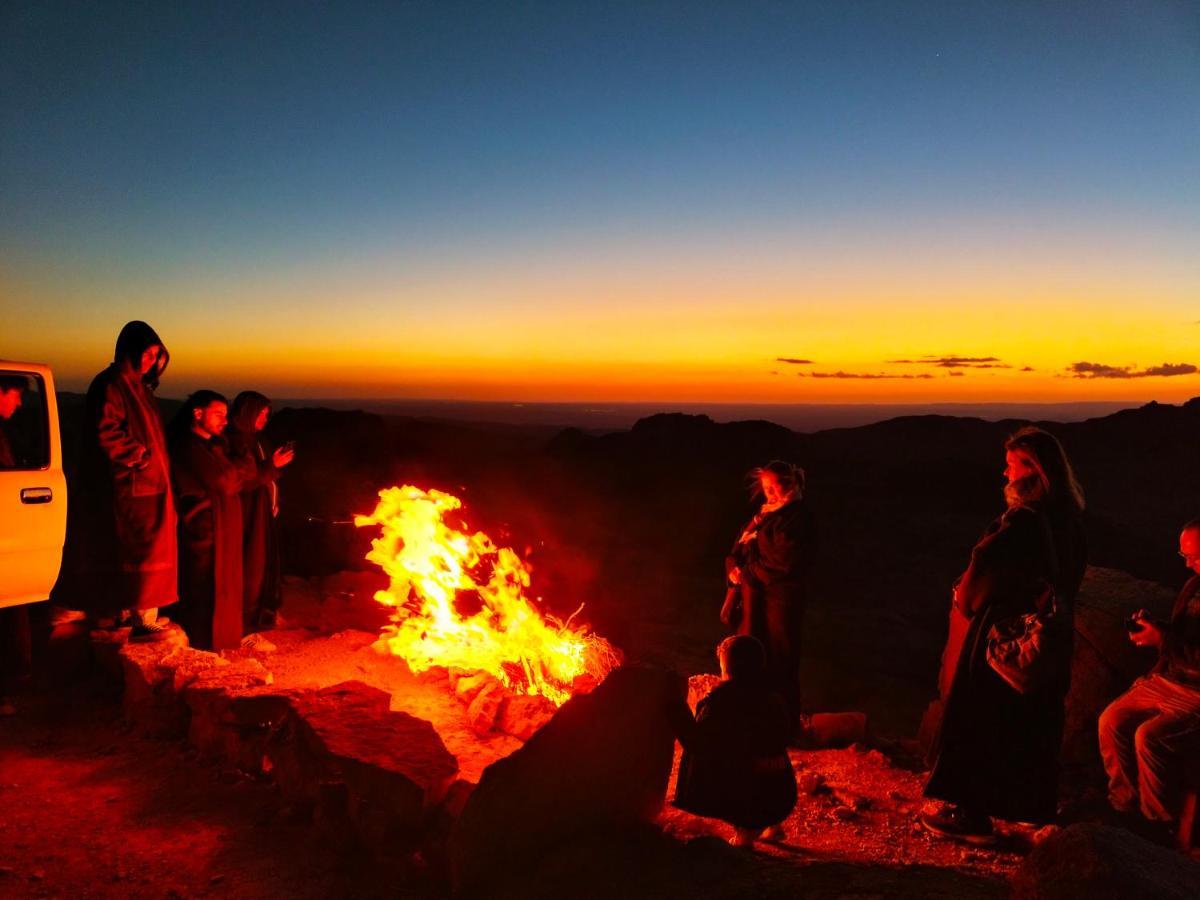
(1149, 733)
(735, 765)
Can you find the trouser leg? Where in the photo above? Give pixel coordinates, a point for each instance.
(1164, 746)
(14, 648)
(1118, 724)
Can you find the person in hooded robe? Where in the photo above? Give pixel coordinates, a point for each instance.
(208, 487)
(262, 465)
(119, 558)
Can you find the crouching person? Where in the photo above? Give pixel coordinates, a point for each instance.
(735, 765)
(1150, 735)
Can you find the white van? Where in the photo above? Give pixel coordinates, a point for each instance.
(33, 490)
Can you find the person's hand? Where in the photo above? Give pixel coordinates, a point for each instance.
(735, 575)
(282, 456)
(1149, 632)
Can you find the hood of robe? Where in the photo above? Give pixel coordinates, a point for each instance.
(246, 407)
(132, 342)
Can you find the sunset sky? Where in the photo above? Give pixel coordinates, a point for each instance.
(753, 202)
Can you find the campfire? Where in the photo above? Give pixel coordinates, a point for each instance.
(460, 602)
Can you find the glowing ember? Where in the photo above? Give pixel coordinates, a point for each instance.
(435, 568)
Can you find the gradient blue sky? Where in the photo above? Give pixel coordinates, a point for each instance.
(583, 200)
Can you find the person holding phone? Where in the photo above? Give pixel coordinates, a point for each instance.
(1150, 732)
(262, 466)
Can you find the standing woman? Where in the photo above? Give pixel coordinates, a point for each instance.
(996, 754)
(120, 553)
(260, 508)
(208, 487)
(767, 573)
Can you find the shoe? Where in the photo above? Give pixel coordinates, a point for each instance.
(149, 634)
(743, 838)
(956, 824)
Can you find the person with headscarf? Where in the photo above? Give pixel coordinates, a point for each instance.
(996, 751)
(260, 508)
(208, 486)
(767, 572)
(119, 559)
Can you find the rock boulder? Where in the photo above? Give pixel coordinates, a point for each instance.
(1096, 862)
(602, 761)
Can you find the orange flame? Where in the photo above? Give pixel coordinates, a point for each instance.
(431, 566)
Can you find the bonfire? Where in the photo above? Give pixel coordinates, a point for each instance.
(460, 602)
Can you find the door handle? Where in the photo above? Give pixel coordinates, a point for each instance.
(36, 495)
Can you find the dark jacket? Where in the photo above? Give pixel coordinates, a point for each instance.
(260, 529)
(997, 750)
(120, 550)
(1179, 656)
(208, 490)
(735, 765)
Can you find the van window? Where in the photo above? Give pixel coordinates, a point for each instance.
(24, 421)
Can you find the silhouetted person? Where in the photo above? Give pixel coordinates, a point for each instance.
(14, 620)
(12, 389)
(120, 552)
(735, 765)
(996, 753)
(1152, 731)
(208, 492)
(767, 573)
(261, 576)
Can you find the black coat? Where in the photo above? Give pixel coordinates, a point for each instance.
(997, 750)
(773, 593)
(735, 765)
(208, 493)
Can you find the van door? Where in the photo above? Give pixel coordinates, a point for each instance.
(33, 492)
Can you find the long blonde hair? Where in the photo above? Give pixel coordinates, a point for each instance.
(1053, 480)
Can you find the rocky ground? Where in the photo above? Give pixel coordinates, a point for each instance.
(102, 795)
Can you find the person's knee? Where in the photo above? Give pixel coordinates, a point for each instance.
(1116, 721)
(1147, 740)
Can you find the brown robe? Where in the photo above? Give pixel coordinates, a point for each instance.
(207, 488)
(120, 550)
(261, 574)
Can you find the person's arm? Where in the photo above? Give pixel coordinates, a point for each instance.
(112, 432)
(1004, 559)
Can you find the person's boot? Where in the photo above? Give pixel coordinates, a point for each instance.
(955, 823)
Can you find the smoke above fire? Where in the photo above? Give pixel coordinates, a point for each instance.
(459, 601)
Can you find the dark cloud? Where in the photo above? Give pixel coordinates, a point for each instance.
(866, 375)
(955, 362)
(793, 362)
(1102, 370)
(1028, 369)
